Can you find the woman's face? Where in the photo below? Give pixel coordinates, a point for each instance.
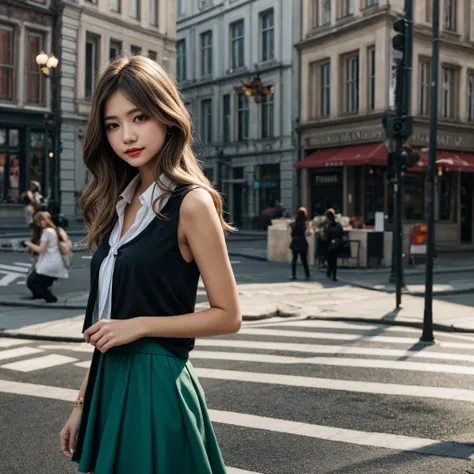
(135, 137)
(41, 223)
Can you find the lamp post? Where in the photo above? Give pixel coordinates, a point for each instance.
(49, 64)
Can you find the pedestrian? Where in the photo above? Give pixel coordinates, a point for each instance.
(156, 224)
(32, 199)
(300, 229)
(334, 234)
(50, 265)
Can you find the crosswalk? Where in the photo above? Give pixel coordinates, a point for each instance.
(317, 360)
(13, 273)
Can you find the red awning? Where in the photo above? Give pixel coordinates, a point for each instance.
(372, 154)
(450, 160)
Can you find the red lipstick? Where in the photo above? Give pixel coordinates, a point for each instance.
(133, 151)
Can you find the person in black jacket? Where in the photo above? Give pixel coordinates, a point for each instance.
(334, 234)
(299, 230)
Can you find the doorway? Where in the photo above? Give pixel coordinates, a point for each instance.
(467, 183)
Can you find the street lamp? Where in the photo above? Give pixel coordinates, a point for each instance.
(47, 63)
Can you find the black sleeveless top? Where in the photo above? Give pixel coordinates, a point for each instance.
(151, 278)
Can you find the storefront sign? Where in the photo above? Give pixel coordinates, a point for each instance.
(348, 137)
(326, 179)
(444, 140)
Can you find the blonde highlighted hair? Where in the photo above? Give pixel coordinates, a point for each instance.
(147, 85)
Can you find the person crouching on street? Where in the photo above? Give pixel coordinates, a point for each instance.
(50, 265)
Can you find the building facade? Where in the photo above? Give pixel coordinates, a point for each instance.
(347, 75)
(246, 148)
(84, 35)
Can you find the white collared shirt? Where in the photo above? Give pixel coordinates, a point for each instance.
(144, 217)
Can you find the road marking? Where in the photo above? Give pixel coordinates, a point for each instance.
(18, 352)
(362, 438)
(326, 324)
(7, 342)
(21, 282)
(45, 362)
(328, 335)
(68, 347)
(83, 365)
(234, 470)
(333, 349)
(9, 278)
(87, 257)
(235, 261)
(22, 264)
(13, 268)
(378, 388)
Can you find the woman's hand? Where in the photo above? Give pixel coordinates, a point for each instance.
(68, 434)
(108, 333)
(28, 244)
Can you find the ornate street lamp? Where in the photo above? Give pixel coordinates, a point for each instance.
(47, 63)
(255, 89)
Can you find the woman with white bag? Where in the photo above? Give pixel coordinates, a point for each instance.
(54, 250)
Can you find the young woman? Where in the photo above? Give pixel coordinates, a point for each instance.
(334, 234)
(32, 199)
(50, 265)
(156, 225)
(299, 230)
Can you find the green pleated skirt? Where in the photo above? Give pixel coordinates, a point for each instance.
(147, 415)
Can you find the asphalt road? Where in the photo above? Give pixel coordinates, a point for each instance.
(281, 404)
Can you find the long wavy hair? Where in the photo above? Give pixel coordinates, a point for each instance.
(301, 216)
(147, 85)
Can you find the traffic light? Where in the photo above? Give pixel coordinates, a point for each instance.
(399, 42)
(397, 126)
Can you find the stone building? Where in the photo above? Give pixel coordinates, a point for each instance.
(84, 35)
(246, 148)
(348, 85)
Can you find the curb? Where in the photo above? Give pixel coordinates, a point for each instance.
(12, 334)
(407, 292)
(250, 257)
(390, 322)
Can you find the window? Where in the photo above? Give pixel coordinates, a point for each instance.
(152, 55)
(345, 8)
(153, 12)
(115, 5)
(226, 118)
(268, 35)
(115, 49)
(242, 116)
(371, 78)
(135, 9)
(414, 196)
(92, 1)
(92, 62)
(324, 12)
(135, 50)
(448, 98)
(323, 71)
(429, 11)
(268, 128)
(470, 96)
(181, 60)
(352, 84)
(237, 34)
(424, 90)
(7, 63)
(180, 8)
(372, 3)
(35, 89)
(206, 53)
(449, 21)
(206, 120)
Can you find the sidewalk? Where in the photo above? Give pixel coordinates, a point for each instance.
(312, 300)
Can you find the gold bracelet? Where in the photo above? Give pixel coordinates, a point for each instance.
(79, 403)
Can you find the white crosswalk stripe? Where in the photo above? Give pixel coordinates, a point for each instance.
(256, 345)
(11, 273)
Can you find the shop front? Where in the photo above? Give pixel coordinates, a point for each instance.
(348, 171)
(22, 159)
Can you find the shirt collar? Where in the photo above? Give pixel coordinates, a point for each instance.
(152, 193)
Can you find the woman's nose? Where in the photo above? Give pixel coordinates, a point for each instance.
(129, 136)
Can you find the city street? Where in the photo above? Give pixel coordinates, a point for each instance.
(298, 395)
(285, 397)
